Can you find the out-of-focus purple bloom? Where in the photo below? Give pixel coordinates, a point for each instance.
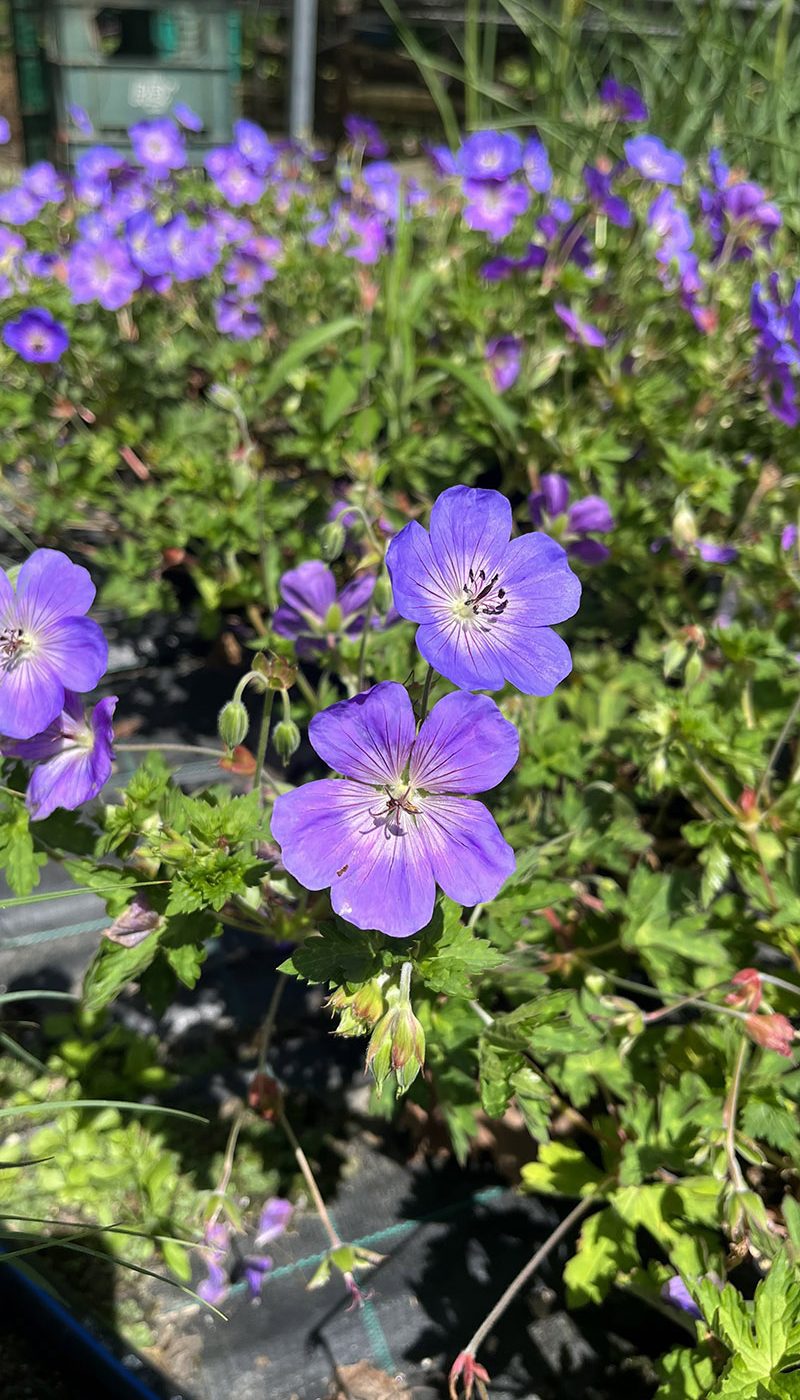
(239, 319)
(159, 146)
(189, 119)
(490, 155)
(498, 269)
(147, 244)
(19, 206)
(712, 553)
(73, 757)
(444, 162)
(274, 1218)
(5, 131)
(504, 359)
(571, 524)
(654, 161)
(193, 250)
(627, 102)
(536, 164)
(234, 176)
(36, 337)
(598, 187)
(777, 357)
(367, 238)
(364, 134)
(43, 181)
(253, 144)
(314, 614)
(248, 272)
(718, 169)
(214, 1287)
(80, 119)
(382, 180)
(397, 824)
(485, 604)
(676, 1293)
(47, 644)
(102, 271)
(788, 538)
(94, 166)
(493, 207)
(582, 332)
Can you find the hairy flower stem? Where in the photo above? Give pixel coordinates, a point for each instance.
(169, 748)
(362, 651)
(729, 1115)
(308, 1176)
(227, 1165)
(263, 740)
(268, 1025)
(530, 1268)
(426, 693)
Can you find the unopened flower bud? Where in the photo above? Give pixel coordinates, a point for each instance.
(233, 724)
(367, 1003)
(223, 397)
(748, 990)
(774, 1032)
(398, 1044)
(331, 540)
(286, 739)
(383, 595)
(264, 1096)
(684, 526)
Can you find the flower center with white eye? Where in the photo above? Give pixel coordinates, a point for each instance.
(13, 646)
(401, 798)
(481, 601)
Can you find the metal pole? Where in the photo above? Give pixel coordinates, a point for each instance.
(304, 69)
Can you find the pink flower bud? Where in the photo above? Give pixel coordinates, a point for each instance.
(747, 996)
(466, 1369)
(774, 1032)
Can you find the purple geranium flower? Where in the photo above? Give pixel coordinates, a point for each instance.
(147, 244)
(598, 187)
(159, 146)
(676, 1293)
(36, 337)
(234, 176)
(490, 155)
(19, 206)
(237, 318)
(485, 603)
(712, 553)
(549, 506)
(582, 332)
(101, 270)
(274, 1218)
(655, 161)
(47, 644)
(504, 358)
(536, 164)
(788, 538)
(5, 131)
(313, 614)
(44, 181)
(73, 757)
(390, 832)
(253, 144)
(364, 134)
(189, 119)
(627, 102)
(493, 207)
(193, 250)
(80, 119)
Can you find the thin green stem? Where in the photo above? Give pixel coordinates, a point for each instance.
(169, 748)
(307, 691)
(554, 1238)
(362, 653)
(263, 740)
(308, 1176)
(729, 1115)
(426, 693)
(227, 1165)
(718, 791)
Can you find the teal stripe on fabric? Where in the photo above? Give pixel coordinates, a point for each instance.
(53, 935)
